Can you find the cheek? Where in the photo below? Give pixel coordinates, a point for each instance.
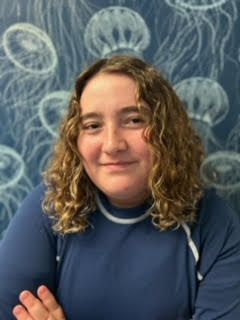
(144, 151)
(88, 150)
(148, 161)
(82, 149)
(80, 146)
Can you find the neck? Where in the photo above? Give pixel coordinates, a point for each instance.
(128, 203)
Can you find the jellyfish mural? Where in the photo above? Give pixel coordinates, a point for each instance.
(206, 104)
(65, 22)
(14, 185)
(201, 5)
(116, 30)
(194, 32)
(221, 170)
(29, 49)
(233, 140)
(28, 63)
(27, 66)
(52, 109)
(42, 130)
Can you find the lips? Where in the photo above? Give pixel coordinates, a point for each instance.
(121, 165)
(118, 163)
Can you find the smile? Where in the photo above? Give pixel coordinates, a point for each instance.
(118, 165)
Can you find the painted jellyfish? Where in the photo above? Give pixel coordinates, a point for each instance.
(221, 170)
(195, 32)
(116, 30)
(52, 108)
(202, 5)
(65, 22)
(207, 105)
(233, 140)
(41, 130)
(14, 185)
(28, 59)
(11, 167)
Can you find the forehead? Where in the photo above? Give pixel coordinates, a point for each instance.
(106, 79)
(108, 89)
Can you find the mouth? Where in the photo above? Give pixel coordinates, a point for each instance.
(118, 165)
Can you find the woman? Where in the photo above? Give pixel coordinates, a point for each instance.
(129, 232)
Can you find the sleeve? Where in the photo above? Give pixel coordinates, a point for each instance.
(218, 295)
(27, 254)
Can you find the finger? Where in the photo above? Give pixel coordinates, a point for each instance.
(34, 306)
(50, 303)
(20, 313)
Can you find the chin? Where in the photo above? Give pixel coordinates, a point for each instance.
(122, 188)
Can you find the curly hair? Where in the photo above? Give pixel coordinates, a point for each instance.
(175, 183)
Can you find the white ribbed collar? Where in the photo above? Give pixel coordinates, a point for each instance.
(114, 219)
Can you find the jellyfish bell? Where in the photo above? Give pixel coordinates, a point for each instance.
(198, 5)
(204, 99)
(221, 170)
(11, 167)
(207, 105)
(52, 109)
(116, 30)
(29, 49)
(123, 51)
(29, 57)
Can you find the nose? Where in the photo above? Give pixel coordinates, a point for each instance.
(114, 140)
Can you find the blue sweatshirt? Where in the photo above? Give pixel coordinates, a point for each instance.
(126, 271)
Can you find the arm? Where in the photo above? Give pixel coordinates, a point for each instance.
(27, 254)
(218, 295)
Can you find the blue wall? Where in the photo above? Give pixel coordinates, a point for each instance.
(45, 44)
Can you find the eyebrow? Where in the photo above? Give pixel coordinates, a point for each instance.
(124, 110)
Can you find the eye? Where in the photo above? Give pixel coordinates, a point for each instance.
(93, 126)
(135, 121)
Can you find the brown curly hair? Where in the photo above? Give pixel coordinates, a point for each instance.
(178, 152)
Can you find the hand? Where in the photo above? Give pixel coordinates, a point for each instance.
(43, 307)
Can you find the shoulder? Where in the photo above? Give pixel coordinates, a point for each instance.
(214, 213)
(30, 213)
(32, 204)
(217, 230)
(35, 197)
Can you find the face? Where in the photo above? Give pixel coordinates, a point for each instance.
(114, 153)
